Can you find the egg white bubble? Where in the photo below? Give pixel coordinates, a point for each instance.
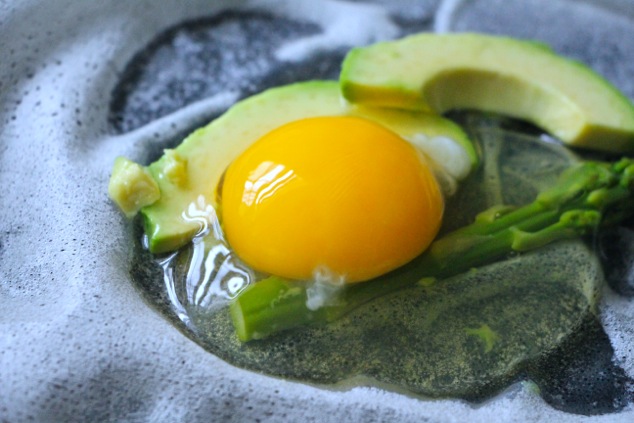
(450, 162)
(344, 25)
(325, 289)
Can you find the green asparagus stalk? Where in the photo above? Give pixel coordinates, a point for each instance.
(585, 197)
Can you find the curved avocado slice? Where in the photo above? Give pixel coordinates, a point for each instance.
(188, 175)
(522, 79)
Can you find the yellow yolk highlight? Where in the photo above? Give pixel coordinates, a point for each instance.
(341, 194)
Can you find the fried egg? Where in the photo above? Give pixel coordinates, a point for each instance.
(340, 195)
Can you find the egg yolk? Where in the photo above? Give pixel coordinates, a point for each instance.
(341, 194)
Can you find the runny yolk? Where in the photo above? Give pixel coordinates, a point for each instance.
(341, 194)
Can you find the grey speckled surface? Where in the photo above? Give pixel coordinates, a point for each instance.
(77, 341)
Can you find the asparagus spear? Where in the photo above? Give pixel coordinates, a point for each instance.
(586, 196)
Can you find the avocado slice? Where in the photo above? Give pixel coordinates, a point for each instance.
(522, 79)
(131, 186)
(188, 176)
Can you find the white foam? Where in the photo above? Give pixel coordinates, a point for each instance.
(617, 316)
(344, 25)
(445, 15)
